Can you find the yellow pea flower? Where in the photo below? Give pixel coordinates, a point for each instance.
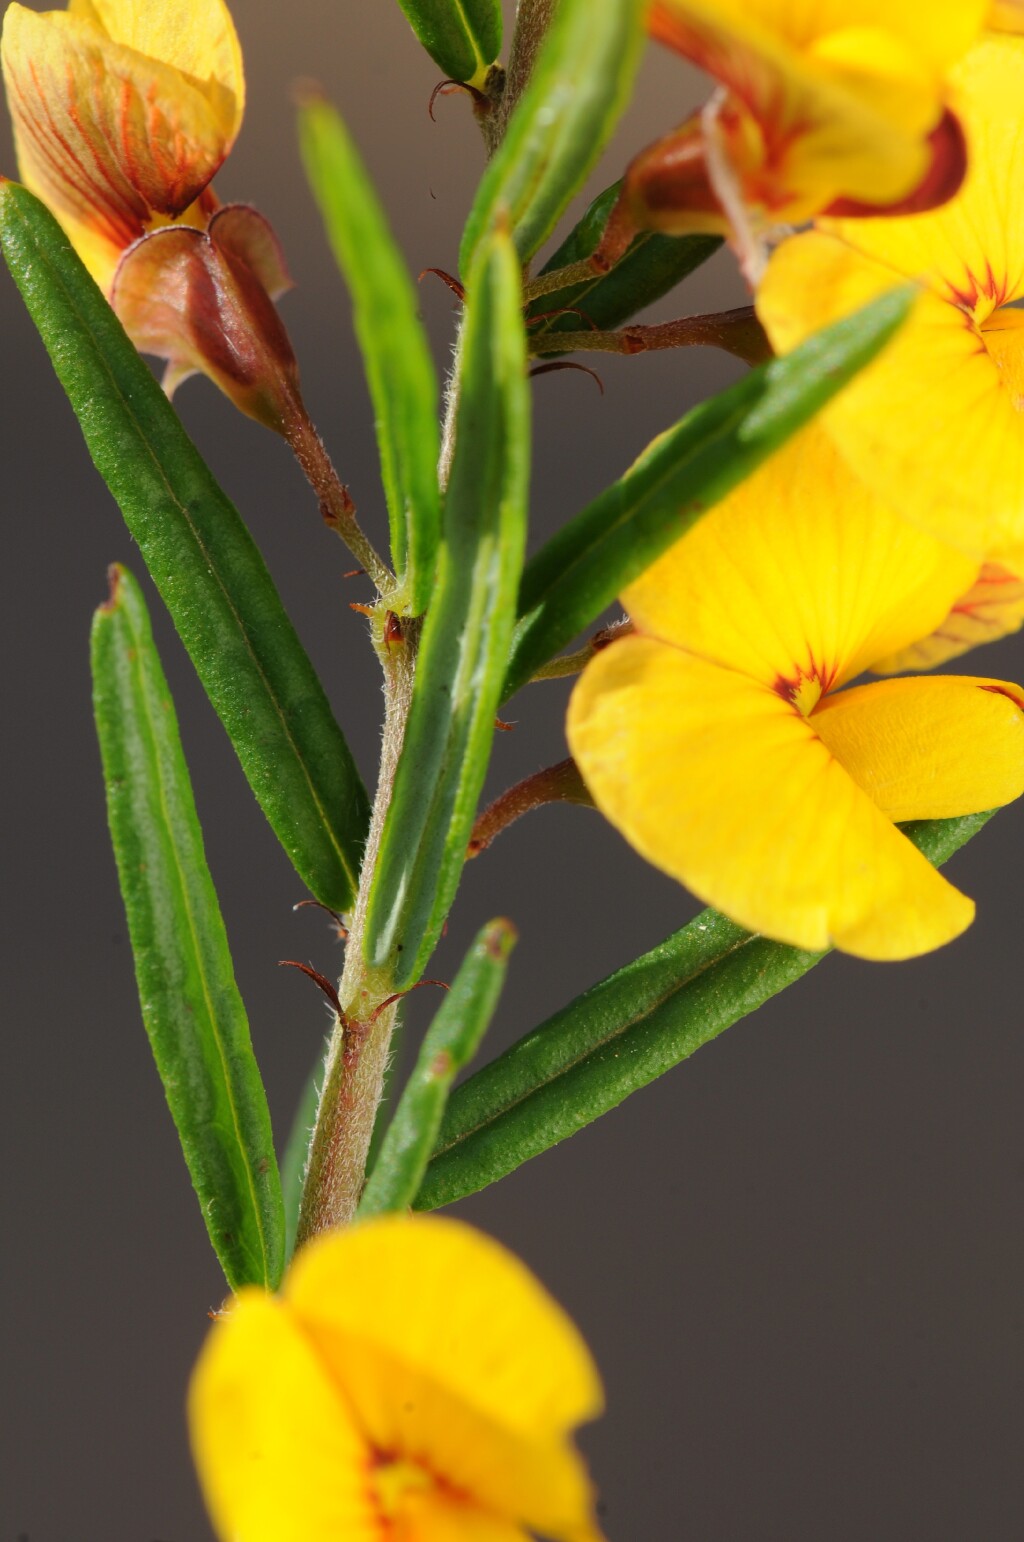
(123, 111)
(936, 424)
(716, 739)
(414, 1383)
(841, 106)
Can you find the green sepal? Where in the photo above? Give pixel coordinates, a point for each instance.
(682, 474)
(396, 355)
(191, 1007)
(621, 1035)
(580, 84)
(202, 559)
(653, 265)
(463, 37)
(467, 633)
(450, 1044)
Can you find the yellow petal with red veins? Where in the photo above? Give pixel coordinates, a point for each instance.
(196, 37)
(104, 134)
(991, 608)
(720, 783)
(800, 575)
(846, 95)
(930, 748)
(278, 1454)
(930, 424)
(482, 1382)
(972, 249)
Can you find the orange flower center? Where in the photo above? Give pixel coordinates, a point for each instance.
(1003, 336)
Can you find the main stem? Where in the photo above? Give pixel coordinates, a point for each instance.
(357, 1056)
(533, 18)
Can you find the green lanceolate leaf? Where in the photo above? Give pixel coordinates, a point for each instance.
(653, 265)
(580, 84)
(296, 1152)
(451, 1042)
(621, 1035)
(190, 1003)
(467, 633)
(680, 476)
(463, 37)
(399, 369)
(204, 563)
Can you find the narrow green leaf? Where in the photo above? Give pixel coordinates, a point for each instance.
(653, 265)
(193, 1013)
(467, 633)
(579, 87)
(463, 37)
(450, 1043)
(621, 1035)
(399, 369)
(681, 475)
(296, 1151)
(209, 573)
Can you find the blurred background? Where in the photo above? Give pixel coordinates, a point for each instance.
(798, 1257)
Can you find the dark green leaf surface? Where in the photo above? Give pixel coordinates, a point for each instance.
(621, 1035)
(204, 563)
(680, 476)
(193, 1013)
(653, 265)
(463, 37)
(450, 1043)
(467, 632)
(580, 85)
(396, 355)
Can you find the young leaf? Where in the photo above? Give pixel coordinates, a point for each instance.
(209, 573)
(619, 1036)
(467, 632)
(193, 1013)
(463, 37)
(680, 476)
(399, 369)
(579, 86)
(296, 1151)
(653, 265)
(451, 1042)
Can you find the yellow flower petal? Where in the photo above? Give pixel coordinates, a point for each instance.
(277, 1452)
(481, 1382)
(929, 748)
(991, 608)
(722, 784)
(195, 37)
(110, 136)
(845, 95)
(800, 575)
(936, 421)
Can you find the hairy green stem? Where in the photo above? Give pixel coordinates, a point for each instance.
(359, 1049)
(533, 18)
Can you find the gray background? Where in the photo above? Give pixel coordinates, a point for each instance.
(797, 1258)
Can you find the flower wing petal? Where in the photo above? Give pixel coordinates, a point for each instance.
(991, 608)
(800, 573)
(278, 1455)
(929, 747)
(720, 783)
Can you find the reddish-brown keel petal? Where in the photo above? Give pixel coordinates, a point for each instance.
(946, 171)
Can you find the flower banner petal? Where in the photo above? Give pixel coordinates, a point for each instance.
(723, 785)
(800, 575)
(929, 423)
(930, 747)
